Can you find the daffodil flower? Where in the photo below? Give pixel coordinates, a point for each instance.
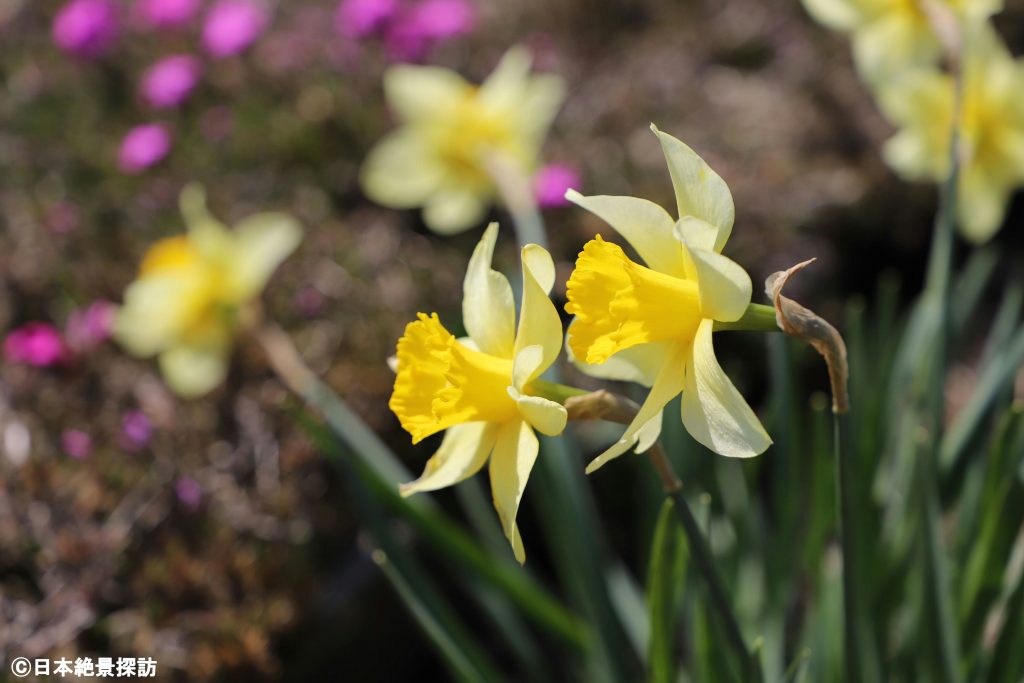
(194, 290)
(891, 35)
(482, 391)
(653, 323)
(991, 129)
(451, 131)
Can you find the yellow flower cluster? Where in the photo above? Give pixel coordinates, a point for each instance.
(898, 47)
(651, 323)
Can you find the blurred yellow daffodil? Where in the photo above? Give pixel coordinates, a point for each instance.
(653, 323)
(483, 390)
(193, 291)
(452, 131)
(891, 35)
(991, 146)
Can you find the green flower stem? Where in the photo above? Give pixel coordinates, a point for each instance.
(705, 562)
(931, 407)
(553, 391)
(604, 405)
(757, 318)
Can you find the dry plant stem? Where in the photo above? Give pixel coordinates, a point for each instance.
(802, 323)
(604, 405)
(860, 663)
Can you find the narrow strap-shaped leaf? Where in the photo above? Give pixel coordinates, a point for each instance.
(452, 544)
(666, 574)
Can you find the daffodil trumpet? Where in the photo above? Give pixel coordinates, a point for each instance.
(653, 322)
(484, 391)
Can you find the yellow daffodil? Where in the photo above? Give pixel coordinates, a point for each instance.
(921, 104)
(653, 323)
(891, 35)
(193, 290)
(482, 391)
(451, 131)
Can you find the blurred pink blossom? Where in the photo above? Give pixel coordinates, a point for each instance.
(360, 18)
(189, 492)
(551, 182)
(442, 19)
(89, 327)
(233, 25)
(170, 81)
(86, 28)
(76, 443)
(37, 344)
(166, 13)
(408, 29)
(136, 430)
(143, 146)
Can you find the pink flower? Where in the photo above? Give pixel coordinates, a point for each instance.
(189, 492)
(86, 28)
(170, 81)
(233, 25)
(37, 344)
(136, 430)
(443, 19)
(551, 182)
(421, 26)
(89, 327)
(359, 18)
(143, 146)
(76, 443)
(166, 13)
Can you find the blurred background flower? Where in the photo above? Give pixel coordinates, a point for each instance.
(551, 183)
(143, 146)
(36, 343)
(89, 327)
(170, 81)
(166, 14)
(231, 26)
(76, 443)
(86, 28)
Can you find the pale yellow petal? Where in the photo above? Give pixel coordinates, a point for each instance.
(667, 386)
(839, 15)
(488, 307)
(982, 201)
(423, 93)
(639, 364)
(714, 412)
(724, 286)
(646, 226)
(402, 171)
(504, 89)
(191, 371)
(539, 323)
(261, 243)
(700, 192)
(547, 417)
(158, 310)
(462, 453)
(526, 365)
(514, 454)
(450, 211)
(892, 43)
(540, 104)
(696, 233)
(207, 235)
